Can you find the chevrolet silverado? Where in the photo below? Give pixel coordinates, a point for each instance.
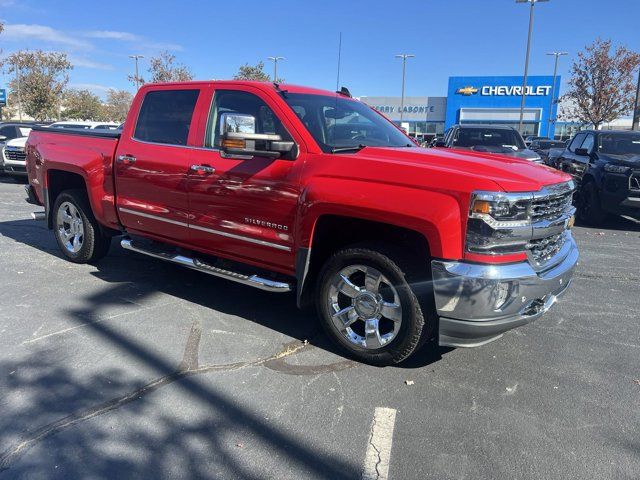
(286, 188)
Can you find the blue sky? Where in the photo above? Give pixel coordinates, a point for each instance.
(448, 37)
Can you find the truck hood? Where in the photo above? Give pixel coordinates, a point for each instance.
(17, 142)
(629, 160)
(525, 153)
(510, 173)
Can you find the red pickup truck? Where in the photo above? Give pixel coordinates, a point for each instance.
(289, 188)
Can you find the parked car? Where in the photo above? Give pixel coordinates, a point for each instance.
(86, 125)
(289, 188)
(9, 131)
(605, 164)
(13, 156)
(488, 139)
(531, 138)
(543, 146)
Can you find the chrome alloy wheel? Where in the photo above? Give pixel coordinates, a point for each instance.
(70, 227)
(365, 306)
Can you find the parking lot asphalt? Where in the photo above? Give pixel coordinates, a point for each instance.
(134, 368)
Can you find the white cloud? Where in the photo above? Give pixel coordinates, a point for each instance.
(113, 35)
(95, 88)
(25, 32)
(85, 63)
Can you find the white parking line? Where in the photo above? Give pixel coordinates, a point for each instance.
(376, 460)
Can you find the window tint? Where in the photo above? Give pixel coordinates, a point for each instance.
(577, 141)
(9, 132)
(165, 116)
(588, 143)
(236, 101)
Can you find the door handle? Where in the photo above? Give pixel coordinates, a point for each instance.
(126, 159)
(202, 169)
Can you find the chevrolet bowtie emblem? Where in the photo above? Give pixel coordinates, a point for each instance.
(467, 91)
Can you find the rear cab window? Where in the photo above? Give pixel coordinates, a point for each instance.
(165, 116)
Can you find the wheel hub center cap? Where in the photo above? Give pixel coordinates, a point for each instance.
(367, 305)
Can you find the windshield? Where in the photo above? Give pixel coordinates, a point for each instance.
(489, 137)
(619, 143)
(550, 144)
(337, 123)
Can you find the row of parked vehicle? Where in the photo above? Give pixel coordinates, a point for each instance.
(605, 164)
(13, 137)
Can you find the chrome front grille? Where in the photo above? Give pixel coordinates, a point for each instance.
(551, 207)
(16, 154)
(544, 249)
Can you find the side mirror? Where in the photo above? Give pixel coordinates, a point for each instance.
(583, 152)
(239, 138)
(440, 143)
(2, 138)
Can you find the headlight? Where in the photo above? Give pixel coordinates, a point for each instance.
(612, 168)
(499, 223)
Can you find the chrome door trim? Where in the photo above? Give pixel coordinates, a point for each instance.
(208, 230)
(240, 237)
(153, 217)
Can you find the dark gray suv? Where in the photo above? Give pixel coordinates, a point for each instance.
(502, 140)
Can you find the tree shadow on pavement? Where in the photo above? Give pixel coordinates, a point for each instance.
(272, 310)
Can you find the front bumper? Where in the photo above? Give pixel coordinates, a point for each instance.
(477, 303)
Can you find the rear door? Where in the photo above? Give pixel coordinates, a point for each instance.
(244, 208)
(152, 164)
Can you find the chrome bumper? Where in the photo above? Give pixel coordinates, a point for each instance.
(477, 303)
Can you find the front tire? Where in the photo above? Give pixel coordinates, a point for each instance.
(590, 208)
(367, 306)
(77, 231)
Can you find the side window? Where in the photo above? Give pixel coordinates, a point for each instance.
(577, 141)
(588, 143)
(165, 116)
(9, 132)
(237, 101)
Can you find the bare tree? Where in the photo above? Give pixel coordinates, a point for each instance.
(602, 86)
(117, 105)
(39, 79)
(82, 105)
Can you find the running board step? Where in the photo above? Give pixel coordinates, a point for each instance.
(195, 264)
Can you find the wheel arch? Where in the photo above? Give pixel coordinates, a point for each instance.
(352, 230)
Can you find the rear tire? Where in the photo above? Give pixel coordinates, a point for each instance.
(590, 209)
(367, 306)
(76, 229)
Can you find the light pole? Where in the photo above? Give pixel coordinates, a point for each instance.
(553, 88)
(136, 58)
(636, 111)
(404, 57)
(526, 61)
(275, 66)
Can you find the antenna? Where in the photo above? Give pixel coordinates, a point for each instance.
(339, 55)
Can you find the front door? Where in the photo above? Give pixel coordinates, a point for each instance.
(244, 208)
(152, 165)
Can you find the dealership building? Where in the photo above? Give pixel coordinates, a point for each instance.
(477, 100)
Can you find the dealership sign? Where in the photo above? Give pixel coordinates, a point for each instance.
(505, 90)
(3, 97)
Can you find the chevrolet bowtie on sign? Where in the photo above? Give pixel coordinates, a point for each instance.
(467, 91)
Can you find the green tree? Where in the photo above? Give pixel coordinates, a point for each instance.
(602, 85)
(253, 72)
(117, 105)
(82, 105)
(38, 81)
(164, 68)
